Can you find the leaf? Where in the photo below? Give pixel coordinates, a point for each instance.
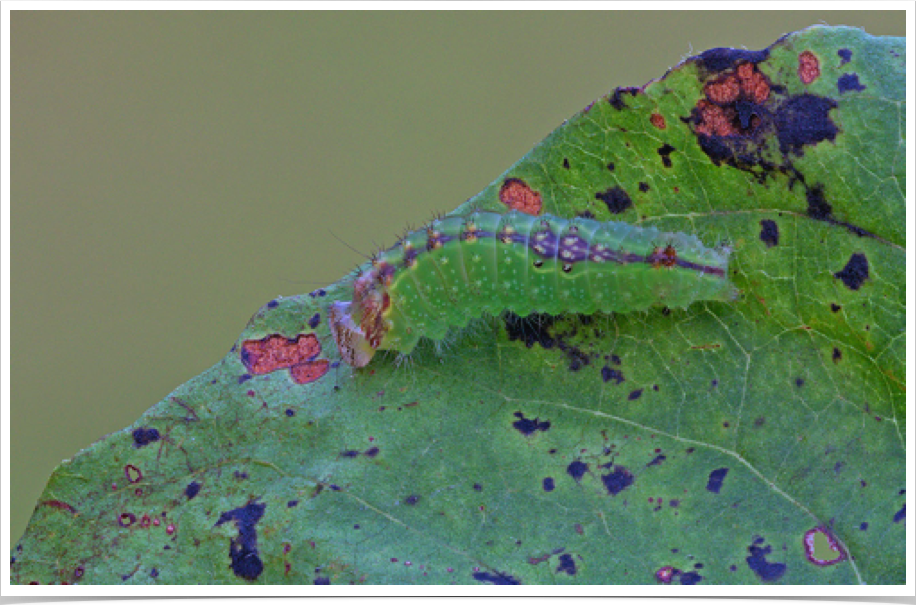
(759, 441)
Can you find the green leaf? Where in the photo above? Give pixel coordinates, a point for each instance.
(758, 441)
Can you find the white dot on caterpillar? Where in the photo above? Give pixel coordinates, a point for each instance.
(539, 249)
(570, 240)
(540, 236)
(567, 255)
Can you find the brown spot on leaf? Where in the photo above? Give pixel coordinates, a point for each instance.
(59, 504)
(723, 90)
(754, 85)
(809, 67)
(742, 110)
(658, 120)
(715, 121)
(745, 83)
(276, 352)
(309, 371)
(729, 107)
(517, 195)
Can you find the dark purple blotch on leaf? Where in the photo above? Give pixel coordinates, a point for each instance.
(619, 479)
(855, 272)
(715, 60)
(577, 469)
(804, 120)
(567, 565)
(494, 578)
(769, 233)
(609, 374)
(849, 82)
(526, 426)
(716, 477)
(243, 549)
(144, 436)
(615, 198)
(765, 570)
(192, 490)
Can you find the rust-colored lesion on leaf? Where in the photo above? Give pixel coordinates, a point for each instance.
(58, 504)
(718, 114)
(809, 68)
(517, 195)
(276, 352)
(309, 371)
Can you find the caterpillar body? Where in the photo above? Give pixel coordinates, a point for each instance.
(459, 267)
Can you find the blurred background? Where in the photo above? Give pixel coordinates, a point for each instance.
(173, 171)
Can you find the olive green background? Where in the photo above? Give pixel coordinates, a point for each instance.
(173, 171)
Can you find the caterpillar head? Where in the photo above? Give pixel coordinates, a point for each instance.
(359, 327)
(353, 345)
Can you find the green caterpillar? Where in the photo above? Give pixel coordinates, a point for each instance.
(458, 268)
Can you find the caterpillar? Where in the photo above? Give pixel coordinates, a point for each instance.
(459, 267)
